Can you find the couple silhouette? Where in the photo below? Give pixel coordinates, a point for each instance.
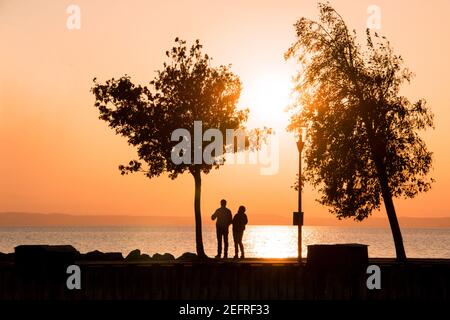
(223, 219)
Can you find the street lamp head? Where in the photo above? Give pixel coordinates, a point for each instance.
(300, 144)
(301, 138)
(300, 133)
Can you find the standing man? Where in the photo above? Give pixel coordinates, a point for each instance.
(224, 218)
(239, 222)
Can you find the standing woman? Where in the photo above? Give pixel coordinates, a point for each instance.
(239, 222)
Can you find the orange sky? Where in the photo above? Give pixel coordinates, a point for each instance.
(57, 156)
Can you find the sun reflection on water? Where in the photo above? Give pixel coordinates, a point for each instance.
(271, 242)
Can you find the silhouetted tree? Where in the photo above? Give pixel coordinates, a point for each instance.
(363, 142)
(187, 89)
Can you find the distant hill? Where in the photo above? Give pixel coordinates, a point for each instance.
(59, 219)
(18, 219)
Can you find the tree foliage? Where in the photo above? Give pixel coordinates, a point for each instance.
(361, 131)
(187, 89)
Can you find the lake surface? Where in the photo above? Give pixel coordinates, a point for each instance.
(259, 241)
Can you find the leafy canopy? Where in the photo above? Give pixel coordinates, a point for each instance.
(187, 89)
(357, 120)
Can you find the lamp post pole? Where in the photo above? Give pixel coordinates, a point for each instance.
(300, 144)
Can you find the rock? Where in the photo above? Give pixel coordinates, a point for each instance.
(100, 256)
(163, 257)
(145, 257)
(188, 256)
(94, 255)
(157, 257)
(113, 256)
(134, 255)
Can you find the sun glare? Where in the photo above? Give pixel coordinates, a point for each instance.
(267, 97)
(271, 241)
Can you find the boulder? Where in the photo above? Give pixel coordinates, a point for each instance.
(134, 255)
(101, 256)
(145, 257)
(188, 256)
(163, 257)
(93, 255)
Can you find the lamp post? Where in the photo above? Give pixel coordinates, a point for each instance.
(298, 216)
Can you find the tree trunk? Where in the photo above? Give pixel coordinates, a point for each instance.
(392, 216)
(377, 153)
(378, 149)
(198, 215)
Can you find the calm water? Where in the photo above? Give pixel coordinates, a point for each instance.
(259, 241)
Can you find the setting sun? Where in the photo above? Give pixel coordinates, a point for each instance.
(267, 97)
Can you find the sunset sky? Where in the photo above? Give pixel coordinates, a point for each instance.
(57, 156)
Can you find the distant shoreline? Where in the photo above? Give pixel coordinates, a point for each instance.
(22, 219)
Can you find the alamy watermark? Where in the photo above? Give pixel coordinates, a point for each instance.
(73, 21)
(374, 280)
(374, 18)
(234, 148)
(73, 281)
